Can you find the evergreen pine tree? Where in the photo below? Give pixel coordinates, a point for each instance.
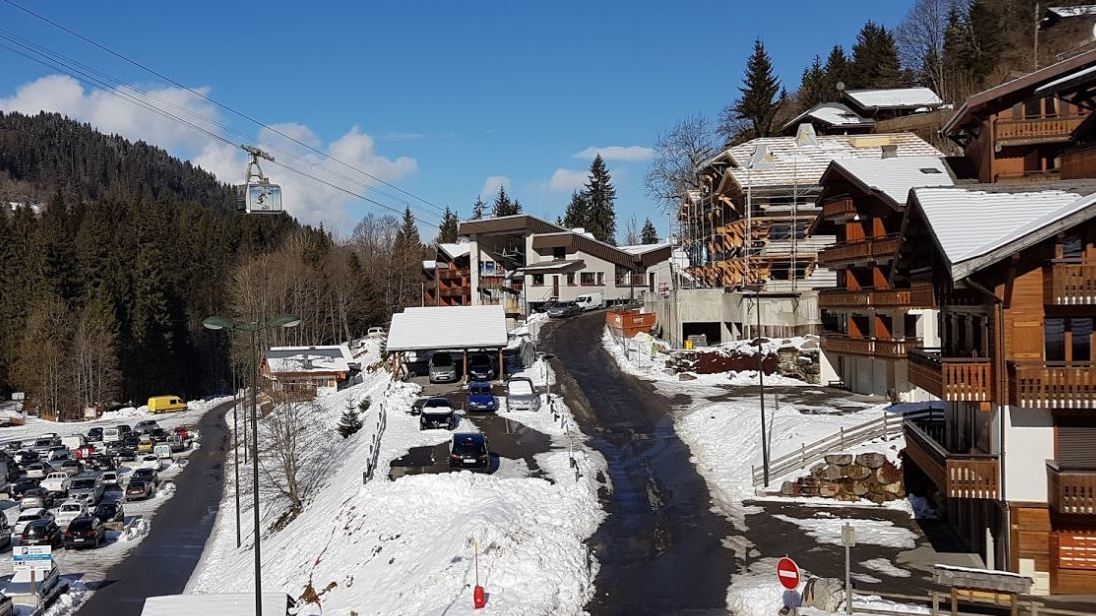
(812, 87)
(447, 230)
(479, 208)
(578, 212)
(648, 235)
(58, 258)
(350, 422)
(836, 71)
(600, 197)
(875, 62)
(503, 205)
(754, 113)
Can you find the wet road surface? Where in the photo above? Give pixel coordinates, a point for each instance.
(162, 563)
(660, 547)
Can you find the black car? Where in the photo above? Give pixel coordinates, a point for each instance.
(158, 435)
(126, 453)
(469, 451)
(109, 513)
(20, 487)
(436, 413)
(139, 489)
(561, 310)
(124, 429)
(42, 532)
(102, 462)
(146, 474)
(85, 532)
(95, 435)
(480, 367)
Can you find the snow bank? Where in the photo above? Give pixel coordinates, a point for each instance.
(872, 532)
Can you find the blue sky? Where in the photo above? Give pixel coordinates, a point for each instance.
(435, 97)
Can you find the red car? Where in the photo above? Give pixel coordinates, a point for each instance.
(182, 432)
(82, 453)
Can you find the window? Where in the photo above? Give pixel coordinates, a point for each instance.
(1068, 339)
(571, 279)
(559, 252)
(587, 279)
(538, 280)
(1081, 339)
(1054, 339)
(601, 279)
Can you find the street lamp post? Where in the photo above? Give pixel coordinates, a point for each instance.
(236, 447)
(253, 328)
(761, 384)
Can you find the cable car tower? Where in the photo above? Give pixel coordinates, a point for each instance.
(258, 195)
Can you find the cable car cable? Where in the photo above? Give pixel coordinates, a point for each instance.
(212, 100)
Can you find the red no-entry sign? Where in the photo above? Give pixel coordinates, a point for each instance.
(788, 573)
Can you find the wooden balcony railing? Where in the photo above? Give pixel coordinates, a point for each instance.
(1035, 175)
(955, 379)
(959, 475)
(838, 209)
(1036, 129)
(1047, 385)
(872, 248)
(922, 294)
(876, 347)
(1070, 282)
(865, 298)
(1071, 491)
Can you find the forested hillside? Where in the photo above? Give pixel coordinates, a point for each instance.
(111, 254)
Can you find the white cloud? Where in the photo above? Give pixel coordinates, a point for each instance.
(308, 200)
(566, 180)
(491, 186)
(617, 152)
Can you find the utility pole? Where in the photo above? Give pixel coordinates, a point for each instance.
(761, 384)
(236, 446)
(255, 467)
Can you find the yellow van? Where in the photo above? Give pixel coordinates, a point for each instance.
(166, 404)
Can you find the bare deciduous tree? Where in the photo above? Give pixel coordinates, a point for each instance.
(678, 153)
(920, 39)
(631, 232)
(289, 473)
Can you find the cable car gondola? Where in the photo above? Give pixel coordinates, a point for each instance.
(258, 195)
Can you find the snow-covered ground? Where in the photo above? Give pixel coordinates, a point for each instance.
(408, 546)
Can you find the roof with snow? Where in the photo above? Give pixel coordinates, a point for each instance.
(837, 115)
(638, 249)
(447, 327)
(1070, 80)
(309, 359)
(429, 265)
(786, 161)
(977, 225)
(893, 178)
(456, 250)
(894, 98)
(1073, 11)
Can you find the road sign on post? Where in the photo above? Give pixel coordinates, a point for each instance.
(35, 558)
(787, 572)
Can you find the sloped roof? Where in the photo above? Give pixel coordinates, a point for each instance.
(834, 114)
(306, 359)
(1071, 80)
(787, 164)
(894, 177)
(894, 98)
(980, 224)
(1073, 11)
(447, 327)
(456, 250)
(638, 249)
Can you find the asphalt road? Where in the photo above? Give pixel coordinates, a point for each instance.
(162, 563)
(661, 547)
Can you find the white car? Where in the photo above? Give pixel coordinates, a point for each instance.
(28, 516)
(149, 461)
(69, 511)
(36, 470)
(110, 478)
(57, 482)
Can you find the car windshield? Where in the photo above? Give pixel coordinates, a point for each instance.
(480, 389)
(519, 388)
(436, 403)
(80, 523)
(106, 509)
(69, 507)
(29, 517)
(43, 442)
(83, 484)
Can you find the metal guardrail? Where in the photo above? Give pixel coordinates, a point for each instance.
(808, 453)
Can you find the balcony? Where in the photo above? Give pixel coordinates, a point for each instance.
(838, 210)
(1071, 491)
(864, 250)
(865, 298)
(958, 475)
(1070, 282)
(1036, 129)
(955, 379)
(1047, 385)
(875, 347)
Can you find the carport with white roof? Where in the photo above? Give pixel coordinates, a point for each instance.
(450, 328)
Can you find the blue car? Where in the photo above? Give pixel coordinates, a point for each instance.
(480, 397)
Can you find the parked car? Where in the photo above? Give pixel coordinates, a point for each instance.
(480, 367)
(57, 482)
(145, 425)
(35, 470)
(443, 369)
(95, 435)
(148, 474)
(521, 395)
(158, 435)
(85, 532)
(166, 404)
(41, 532)
(28, 516)
(70, 467)
(101, 462)
(13, 446)
(109, 435)
(416, 406)
(57, 455)
(73, 441)
(43, 444)
(149, 461)
(437, 413)
(182, 432)
(560, 310)
(175, 444)
(145, 445)
(84, 453)
(25, 456)
(87, 487)
(590, 301)
(138, 489)
(480, 397)
(20, 487)
(468, 450)
(110, 479)
(124, 429)
(126, 453)
(69, 511)
(112, 515)
(36, 498)
(5, 540)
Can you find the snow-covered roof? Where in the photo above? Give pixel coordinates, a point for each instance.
(1073, 11)
(788, 163)
(894, 177)
(456, 250)
(305, 359)
(1070, 79)
(429, 265)
(978, 225)
(553, 265)
(447, 327)
(638, 249)
(894, 98)
(834, 114)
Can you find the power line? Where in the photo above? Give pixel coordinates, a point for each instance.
(53, 63)
(224, 106)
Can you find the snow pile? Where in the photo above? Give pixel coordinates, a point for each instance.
(136, 529)
(770, 346)
(872, 532)
(884, 566)
(69, 602)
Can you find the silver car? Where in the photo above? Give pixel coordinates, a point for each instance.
(443, 368)
(521, 395)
